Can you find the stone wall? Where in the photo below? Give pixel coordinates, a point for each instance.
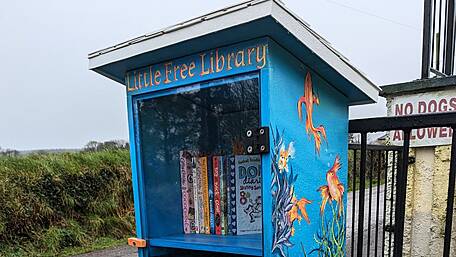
(426, 202)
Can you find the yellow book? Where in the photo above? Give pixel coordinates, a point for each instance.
(205, 189)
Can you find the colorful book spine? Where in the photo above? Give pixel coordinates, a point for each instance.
(191, 200)
(232, 225)
(217, 207)
(205, 189)
(184, 160)
(223, 192)
(199, 189)
(195, 193)
(248, 194)
(210, 180)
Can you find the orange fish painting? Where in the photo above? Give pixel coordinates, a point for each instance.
(309, 99)
(298, 211)
(334, 190)
(285, 154)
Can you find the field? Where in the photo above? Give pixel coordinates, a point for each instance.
(67, 203)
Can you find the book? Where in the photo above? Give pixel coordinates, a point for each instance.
(200, 198)
(185, 169)
(223, 193)
(205, 192)
(195, 193)
(191, 200)
(210, 180)
(217, 209)
(231, 178)
(248, 194)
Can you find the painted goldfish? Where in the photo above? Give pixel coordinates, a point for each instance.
(334, 190)
(298, 211)
(285, 155)
(309, 99)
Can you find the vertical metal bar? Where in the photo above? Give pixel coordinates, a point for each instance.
(448, 58)
(401, 190)
(385, 193)
(393, 178)
(439, 35)
(426, 53)
(352, 250)
(433, 33)
(450, 199)
(369, 217)
(362, 188)
(379, 164)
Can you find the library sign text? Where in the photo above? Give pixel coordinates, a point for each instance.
(429, 102)
(205, 65)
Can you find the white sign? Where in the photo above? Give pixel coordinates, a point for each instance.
(430, 102)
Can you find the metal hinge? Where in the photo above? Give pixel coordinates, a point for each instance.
(257, 141)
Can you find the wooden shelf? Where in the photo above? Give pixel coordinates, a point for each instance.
(245, 244)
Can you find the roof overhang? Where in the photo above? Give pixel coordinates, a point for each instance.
(240, 22)
(418, 86)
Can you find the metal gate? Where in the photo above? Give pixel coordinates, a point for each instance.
(378, 183)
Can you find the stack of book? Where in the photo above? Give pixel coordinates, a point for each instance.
(221, 194)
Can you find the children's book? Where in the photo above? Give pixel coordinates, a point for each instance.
(231, 178)
(200, 199)
(248, 194)
(195, 193)
(185, 167)
(205, 192)
(217, 207)
(190, 192)
(223, 192)
(210, 180)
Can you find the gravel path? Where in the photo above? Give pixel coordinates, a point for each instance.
(122, 251)
(366, 227)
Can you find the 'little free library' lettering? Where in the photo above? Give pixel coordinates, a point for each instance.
(200, 65)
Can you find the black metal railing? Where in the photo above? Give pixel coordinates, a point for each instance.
(375, 226)
(376, 184)
(438, 38)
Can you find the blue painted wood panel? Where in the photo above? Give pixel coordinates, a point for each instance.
(305, 208)
(246, 244)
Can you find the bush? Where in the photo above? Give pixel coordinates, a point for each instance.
(54, 201)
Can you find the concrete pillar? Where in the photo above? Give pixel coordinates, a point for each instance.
(421, 202)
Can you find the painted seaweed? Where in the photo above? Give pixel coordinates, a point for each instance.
(287, 209)
(331, 236)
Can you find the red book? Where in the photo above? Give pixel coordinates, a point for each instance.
(217, 207)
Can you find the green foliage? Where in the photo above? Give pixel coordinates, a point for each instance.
(53, 202)
(378, 168)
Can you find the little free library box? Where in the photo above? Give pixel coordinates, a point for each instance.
(238, 125)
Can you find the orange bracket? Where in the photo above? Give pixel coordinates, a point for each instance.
(136, 242)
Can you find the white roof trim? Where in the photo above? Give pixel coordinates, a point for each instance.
(233, 16)
(212, 22)
(323, 49)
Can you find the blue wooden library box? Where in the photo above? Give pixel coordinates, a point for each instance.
(238, 128)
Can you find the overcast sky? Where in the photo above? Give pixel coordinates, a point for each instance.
(49, 99)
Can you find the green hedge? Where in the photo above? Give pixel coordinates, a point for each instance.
(49, 202)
